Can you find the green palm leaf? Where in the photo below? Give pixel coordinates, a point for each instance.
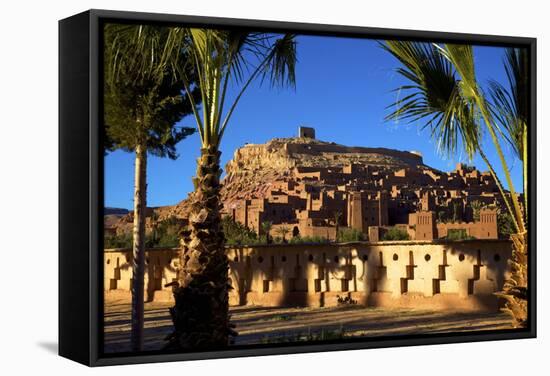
(222, 57)
(434, 97)
(510, 105)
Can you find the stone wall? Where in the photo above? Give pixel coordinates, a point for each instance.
(432, 275)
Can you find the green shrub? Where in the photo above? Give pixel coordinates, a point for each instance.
(238, 234)
(458, 234)
(277, 240)
(169, 240)
(395, 233)
(308, 239)
(324, 334)
(505, 225)
(350, 235)
(165, 233)
(117, 241)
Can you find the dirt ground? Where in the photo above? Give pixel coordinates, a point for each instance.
(257, 325)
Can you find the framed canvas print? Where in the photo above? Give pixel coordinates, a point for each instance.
(239, 187)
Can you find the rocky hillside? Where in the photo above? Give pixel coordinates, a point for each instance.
(255, 167)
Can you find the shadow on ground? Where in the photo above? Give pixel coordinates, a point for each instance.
(51, 347)
(258, 325)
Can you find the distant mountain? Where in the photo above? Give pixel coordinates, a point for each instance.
(117, 211)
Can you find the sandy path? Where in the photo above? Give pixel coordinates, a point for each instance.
(264, 325)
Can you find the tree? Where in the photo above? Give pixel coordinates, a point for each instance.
(511, 110)
(142, 106)
(511, 107)
(445, 95)
(266, 228)
(348, 234)
(283, 231)
(154, 238)
(337, 215)
(236, 233)
(505, 225)
(476, 209)
(166, 232)
(456, 209)
(220, 59)
(441, 216)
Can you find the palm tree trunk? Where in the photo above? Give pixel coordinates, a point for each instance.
(201, 311)
(525, 176)
(514, 291)
(515, 287)
(138, 260)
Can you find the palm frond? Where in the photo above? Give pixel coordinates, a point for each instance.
(462, 58)
(140, 49)
(509, 105)
(219, 58)
(280, 66)
(433, 97)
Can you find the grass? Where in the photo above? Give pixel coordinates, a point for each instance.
(281, 317)
(307, 336)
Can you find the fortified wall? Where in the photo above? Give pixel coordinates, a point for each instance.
(440, 275)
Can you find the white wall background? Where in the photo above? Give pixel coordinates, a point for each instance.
(28, 184)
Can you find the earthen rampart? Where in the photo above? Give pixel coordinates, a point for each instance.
(439, 275)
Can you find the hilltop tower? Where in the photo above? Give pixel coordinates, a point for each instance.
(306, 132)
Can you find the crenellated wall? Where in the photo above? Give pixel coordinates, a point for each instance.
(431, 275)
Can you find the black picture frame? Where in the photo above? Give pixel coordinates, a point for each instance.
(81, 182)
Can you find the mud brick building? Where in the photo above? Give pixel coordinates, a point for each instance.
(307, 185)
(313, 187)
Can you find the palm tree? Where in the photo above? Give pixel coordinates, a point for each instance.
(142, 105)
(220, 59)
(154, 238)
(337, 215)
(456, 208)
(511, 108)
(266, 228)
(283, 231)
(476, 208)
(445, 95)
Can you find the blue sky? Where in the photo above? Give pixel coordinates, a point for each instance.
(343, 88)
